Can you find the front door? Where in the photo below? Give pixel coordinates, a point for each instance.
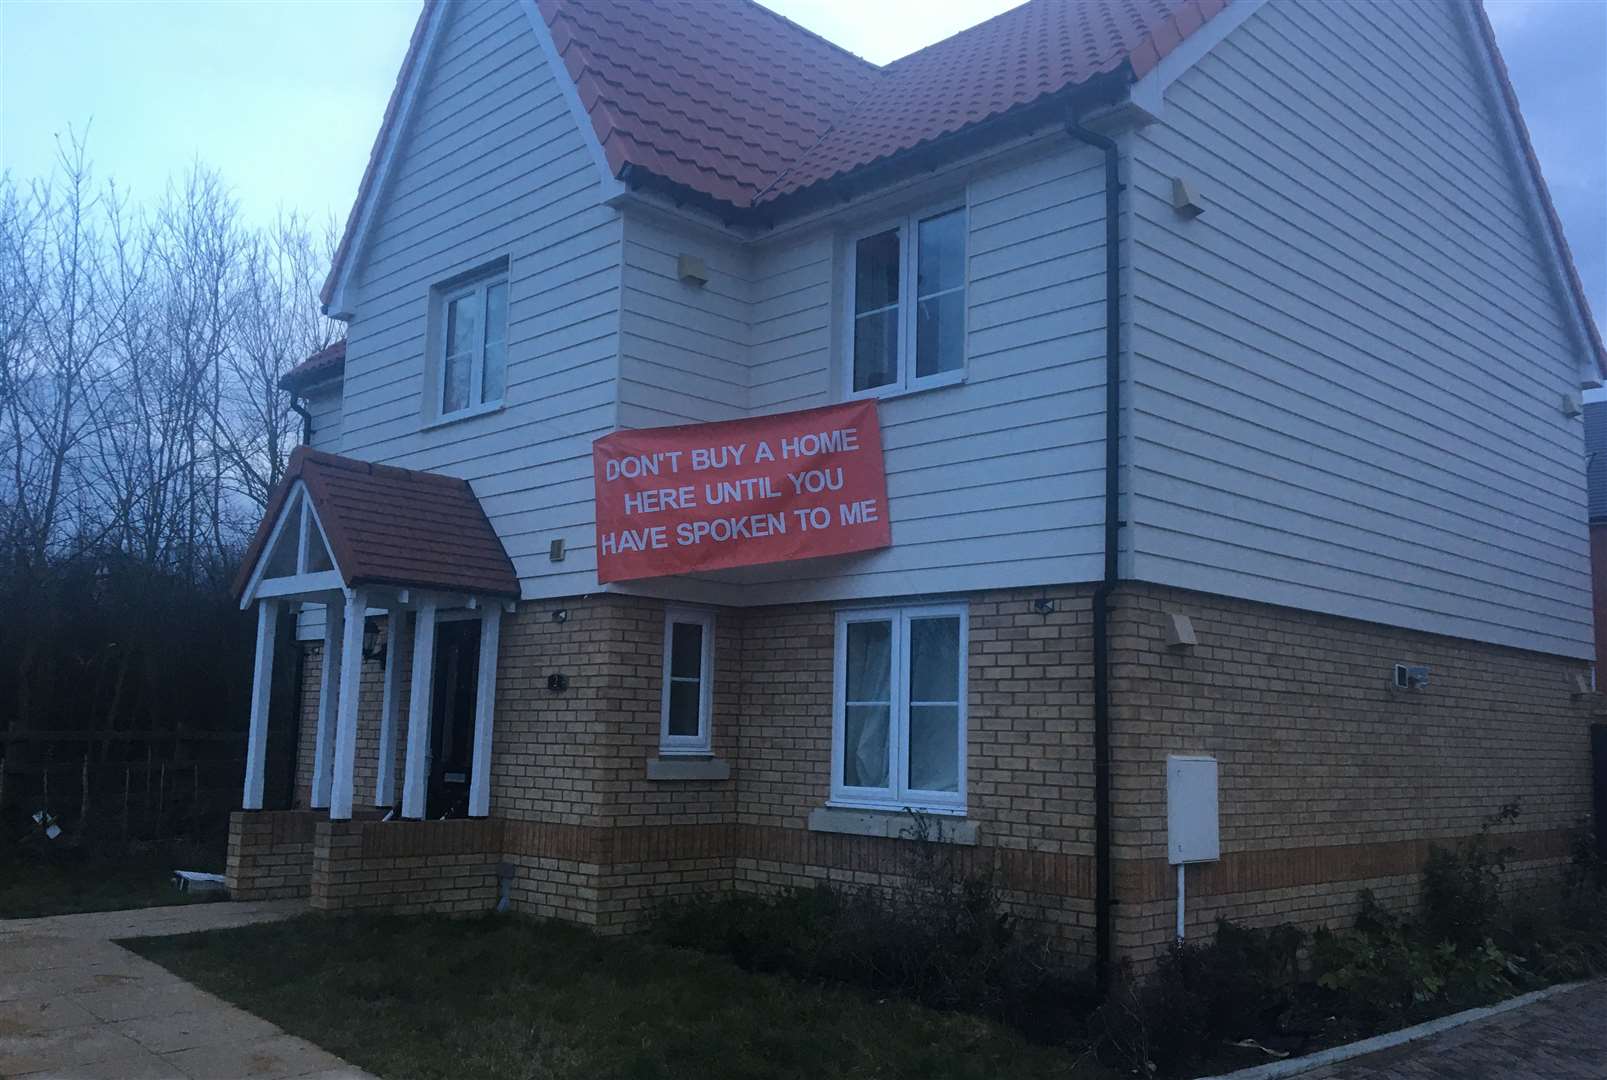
(457, 668)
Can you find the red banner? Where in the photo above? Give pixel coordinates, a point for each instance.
(796, 485)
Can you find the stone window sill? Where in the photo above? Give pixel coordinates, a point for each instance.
(889, 824)
(688, 768)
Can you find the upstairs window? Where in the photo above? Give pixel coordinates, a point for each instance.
(908, 327)
(688, 699)
(898, 736)
(472, 354)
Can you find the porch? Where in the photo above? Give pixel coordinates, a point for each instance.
(406, 572)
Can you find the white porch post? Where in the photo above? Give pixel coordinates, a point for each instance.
(418, 711)
(390, 706)
(261, 689)
(328, 699)
(351, 680)
(485, 707)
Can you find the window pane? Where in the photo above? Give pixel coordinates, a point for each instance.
(495, 363)
(935, 659)
(869, 661)
(282, 561)
(496, 312)
(318, 559)
(455, 394)
(940, 334)
(934, 746)
(875, 350)
(876, 272)
(865, 746)
(941, 261)
(686, 650)
(685, 701)
(462, 325)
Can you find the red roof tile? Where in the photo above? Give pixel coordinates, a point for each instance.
(732, 102)
(321, 364)
(1041, 48)
(721, 96)
(391, 526)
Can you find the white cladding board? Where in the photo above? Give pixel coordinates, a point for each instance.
(1193, 828)
(1347, 371)
(324, 405)
(991, 484)
(494, 166)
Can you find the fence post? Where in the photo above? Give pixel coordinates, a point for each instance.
(126, 771)
(83, 798)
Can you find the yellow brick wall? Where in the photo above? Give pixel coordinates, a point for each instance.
(1327, 773)
(1331, 780)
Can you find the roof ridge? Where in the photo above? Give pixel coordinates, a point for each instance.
(818, 37)
(957, 34)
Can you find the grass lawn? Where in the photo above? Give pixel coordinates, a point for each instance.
(62, 883)
(503, 997)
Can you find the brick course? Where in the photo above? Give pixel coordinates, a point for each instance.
(270, 854)
(1331, 780)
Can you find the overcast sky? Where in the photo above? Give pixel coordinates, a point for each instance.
(284, 97)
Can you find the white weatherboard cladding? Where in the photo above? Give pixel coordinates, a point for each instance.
(1347, 373)
(323, 403)
(684, 353)
(493, 166)
(993, 483)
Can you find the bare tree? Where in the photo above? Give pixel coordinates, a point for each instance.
(280, 323)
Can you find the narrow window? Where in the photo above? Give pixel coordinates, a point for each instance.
(473, 354)
(899, 733)
(940, 295)
(877, 326)
(684, 725)
(908, 305)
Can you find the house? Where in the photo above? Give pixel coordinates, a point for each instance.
(1595, 414)
(1203, 373)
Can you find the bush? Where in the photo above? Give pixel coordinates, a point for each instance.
(1241, 984)
(941, 937)
(1462, 888)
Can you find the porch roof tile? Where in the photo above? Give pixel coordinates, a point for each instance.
(393, 526)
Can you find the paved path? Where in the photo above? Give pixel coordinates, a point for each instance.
(1560, 1038)
(75, 1006)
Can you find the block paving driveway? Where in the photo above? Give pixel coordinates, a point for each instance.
(1561, 1038)
(75, 1006)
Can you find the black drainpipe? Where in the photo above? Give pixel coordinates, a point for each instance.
(1103, 898)
(306, 418)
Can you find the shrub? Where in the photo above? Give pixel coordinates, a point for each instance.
(1240, 984)
(1462, 888)
(941, 937)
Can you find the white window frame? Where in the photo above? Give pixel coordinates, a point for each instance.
(445, 298)
(897, 795)
(703, 741)
(908, 263)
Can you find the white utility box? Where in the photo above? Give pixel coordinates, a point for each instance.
(1192, 832)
